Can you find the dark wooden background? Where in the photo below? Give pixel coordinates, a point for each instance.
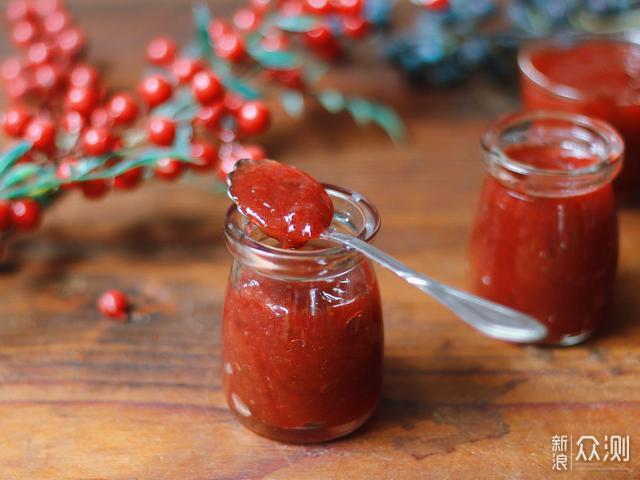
(85, 398)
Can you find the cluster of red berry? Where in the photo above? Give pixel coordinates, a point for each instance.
(220, 119)
(64, 96)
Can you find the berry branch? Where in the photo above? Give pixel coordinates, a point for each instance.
(196, 111)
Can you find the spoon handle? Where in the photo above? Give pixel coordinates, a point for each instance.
(490, 318)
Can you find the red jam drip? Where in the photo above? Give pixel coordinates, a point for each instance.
(598, 68)
(554, 258)
(285, 202)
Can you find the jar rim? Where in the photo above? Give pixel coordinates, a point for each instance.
(367, 231)
(610, 159)
(542, 80)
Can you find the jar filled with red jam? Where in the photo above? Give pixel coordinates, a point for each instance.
(545, 237)
(302, 331)
(596, 76)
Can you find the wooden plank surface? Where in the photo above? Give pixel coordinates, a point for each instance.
(86, 398)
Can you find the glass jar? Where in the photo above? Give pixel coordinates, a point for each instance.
(598, 76)
(545, 237)
(302, 332)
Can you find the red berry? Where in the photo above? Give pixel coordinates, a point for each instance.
(185, 68)
(56, 22)
(94, 189)
(209, 117)
(18, 89)
(97, 141)
(26, 214)
(64, 171)
(123, 109)
(168, 168)
(71, 42)
(161, 131)
(81, 99)
(253, 118)
(348, 7)
(205, 156)
(6, 216)
(72, 122)
(233, 103)
(46, 78)
(83, 76)
(155, 90)
(354, 26)
(218, 28)
(435, 4)
(100, 118)
(129, 179)
(114, 304)
(46, 8)
(230, 47)
(319, 37)
(291, 8)
(24, 33)
(41, 132)
(246, 20)
(207, 88)
(318, 7)
(15, 120)
(274, 41)
(38, 53)
(261, 6)
(17, 10)
(11, 69)
(161, 51)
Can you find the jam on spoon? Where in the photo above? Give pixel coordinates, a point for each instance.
(291, 206)
(285, 202)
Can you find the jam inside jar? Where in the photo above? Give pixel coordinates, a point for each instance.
(598, 76)
(302, 331)
(545, 236)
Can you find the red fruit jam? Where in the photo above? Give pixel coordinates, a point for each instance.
(302, 329)
(595, 77)
(285, 202)
(545, 238)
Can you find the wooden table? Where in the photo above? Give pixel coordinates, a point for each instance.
(86, 398)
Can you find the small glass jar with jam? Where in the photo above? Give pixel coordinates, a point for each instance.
(598, 76)
(302, 331)
(545, 237)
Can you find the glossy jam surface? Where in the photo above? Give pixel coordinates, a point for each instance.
(285, 202)
(302, 359)
(552, 257)
(598, 78)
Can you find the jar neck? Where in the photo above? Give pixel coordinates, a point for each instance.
(317, 260)
(552, 154)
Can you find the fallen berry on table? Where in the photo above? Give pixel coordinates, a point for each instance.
(115, 305)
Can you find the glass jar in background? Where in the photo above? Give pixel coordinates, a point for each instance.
(597, 76)
(302, 331)
(545, 237)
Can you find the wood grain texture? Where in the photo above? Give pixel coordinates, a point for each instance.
(86, 398)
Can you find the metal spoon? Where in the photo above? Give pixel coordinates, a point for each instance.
(492, 319)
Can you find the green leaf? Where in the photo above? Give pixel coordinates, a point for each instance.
(11, 156)
(364, 112)
(278, 60)
(332, 100)
(299, 24)
(19, 174)
(293, 103)
(183, 139)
